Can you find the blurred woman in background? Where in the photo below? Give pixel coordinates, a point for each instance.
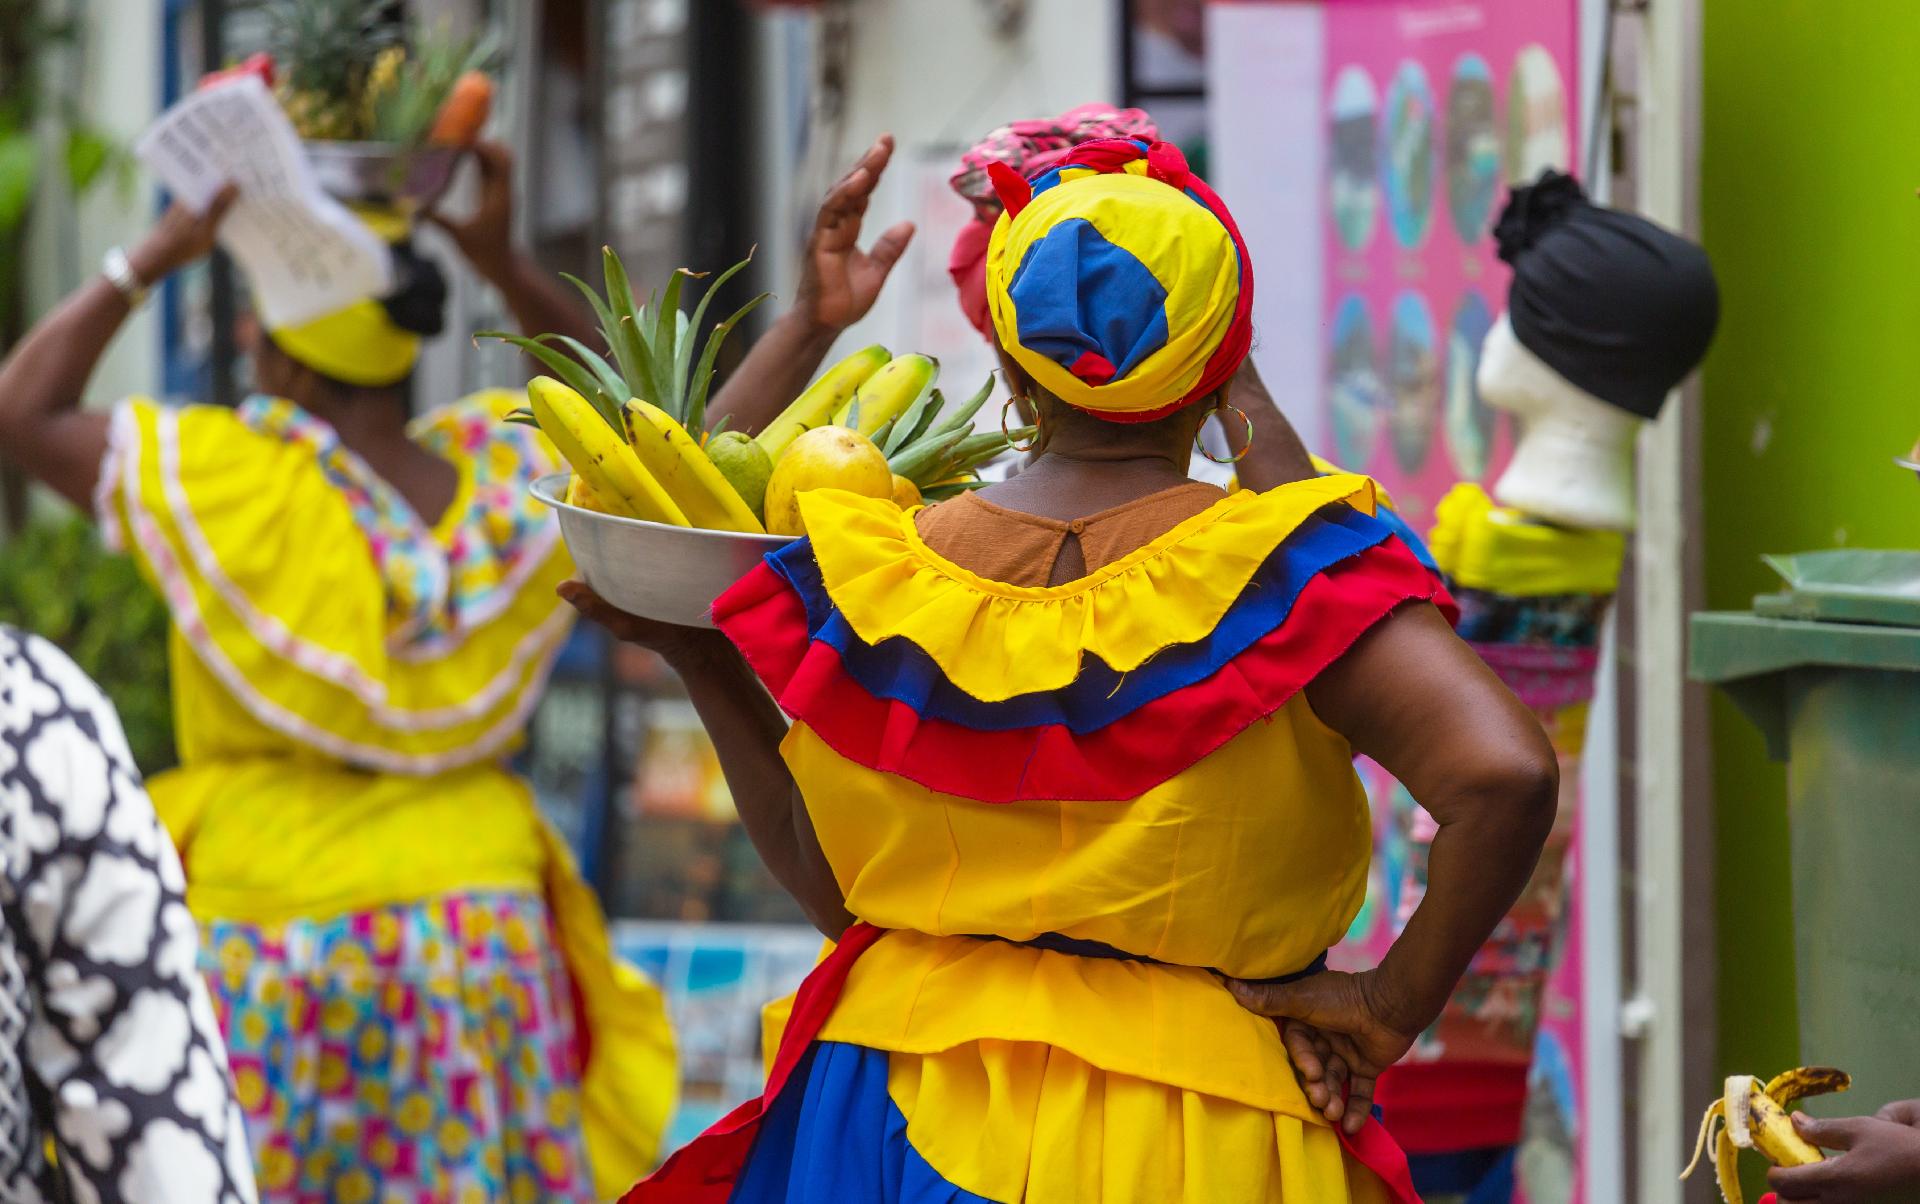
(416, 985)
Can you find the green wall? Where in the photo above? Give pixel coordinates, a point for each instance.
(1810, 160)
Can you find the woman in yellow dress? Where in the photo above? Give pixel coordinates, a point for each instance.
(416, 987)
(1069, 775)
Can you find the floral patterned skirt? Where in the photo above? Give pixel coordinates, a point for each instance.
(421, 1052)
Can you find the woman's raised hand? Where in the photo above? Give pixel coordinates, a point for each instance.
(1340, 1032)
(838, 281)
(182, 236)
(485, 236)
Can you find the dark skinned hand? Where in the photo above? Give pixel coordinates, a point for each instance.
(1879, 1159)
(181, 236)
(670, 640)
(1336, 1028)
(485, 236)
(839, 281)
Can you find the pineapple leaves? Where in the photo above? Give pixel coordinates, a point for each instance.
(670, 304)
(912, 424)
(600, 309)
(700, 310)
(940, 493)
(572, 373)
(651, 345)
(703, 374)
(623, 336)
(610, 381)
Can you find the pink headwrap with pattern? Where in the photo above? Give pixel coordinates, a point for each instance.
(1028, 147)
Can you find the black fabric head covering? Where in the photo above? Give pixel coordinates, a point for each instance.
(418, 302)
(1612, 302)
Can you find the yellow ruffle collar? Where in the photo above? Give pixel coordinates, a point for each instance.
(998, 641)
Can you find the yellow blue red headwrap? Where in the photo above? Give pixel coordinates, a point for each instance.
(357, 345)
(1119, 281)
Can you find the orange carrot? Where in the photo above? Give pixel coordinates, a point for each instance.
(463, 112)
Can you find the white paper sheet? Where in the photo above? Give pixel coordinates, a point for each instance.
(304, 254)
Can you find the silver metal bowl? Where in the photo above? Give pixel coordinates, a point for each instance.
(672, 574)
(382, 173)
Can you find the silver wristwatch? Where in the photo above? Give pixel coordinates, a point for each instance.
(120, 274)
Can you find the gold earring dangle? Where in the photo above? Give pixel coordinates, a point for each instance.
(1219, 411)
(1004, 411)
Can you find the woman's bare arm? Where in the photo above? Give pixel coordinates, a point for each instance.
(1416, 699)
(746, 728)
(44, 380)
(1277, 456)
(539, 302)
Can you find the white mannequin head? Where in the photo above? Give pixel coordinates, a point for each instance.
(1573, 462)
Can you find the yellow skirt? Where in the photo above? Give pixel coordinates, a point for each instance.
(1013, 1121)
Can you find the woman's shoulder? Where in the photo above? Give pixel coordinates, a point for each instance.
(475, 428)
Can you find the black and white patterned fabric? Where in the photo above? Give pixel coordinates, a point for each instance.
(108, 1043)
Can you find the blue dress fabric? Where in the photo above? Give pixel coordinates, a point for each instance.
(840, 1139)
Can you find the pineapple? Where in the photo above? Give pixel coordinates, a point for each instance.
(328, 52)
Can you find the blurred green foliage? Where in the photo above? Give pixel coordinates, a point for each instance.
(58, 582)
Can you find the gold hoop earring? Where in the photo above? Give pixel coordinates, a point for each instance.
(1219, 412)
(1004, 411)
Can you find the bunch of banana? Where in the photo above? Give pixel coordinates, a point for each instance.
(666, 474)
(1749, 1116)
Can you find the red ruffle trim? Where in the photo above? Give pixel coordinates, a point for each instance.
(766, 619)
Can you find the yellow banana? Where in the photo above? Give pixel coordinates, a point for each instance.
(598, 455)
(889, 393)
(1799, 1083)
(685, 472)
(1748, 1116)
(816, 406)
(579, 495)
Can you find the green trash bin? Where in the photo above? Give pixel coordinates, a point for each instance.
(1829, 671)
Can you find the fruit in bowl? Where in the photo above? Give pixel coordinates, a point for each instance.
(385, 108)
(651, 480)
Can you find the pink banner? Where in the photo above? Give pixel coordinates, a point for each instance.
(1432, 107)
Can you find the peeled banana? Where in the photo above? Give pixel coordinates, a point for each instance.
(887, 394)
(681, 468)
(822, 399)
(1749, 1116)
(599, 457)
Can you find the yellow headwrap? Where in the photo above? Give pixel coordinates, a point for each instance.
(1118, 280)
(358, 345)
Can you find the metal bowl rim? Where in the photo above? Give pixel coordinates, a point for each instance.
(551, 489)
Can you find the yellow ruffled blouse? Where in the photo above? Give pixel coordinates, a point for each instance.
(348, 681)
